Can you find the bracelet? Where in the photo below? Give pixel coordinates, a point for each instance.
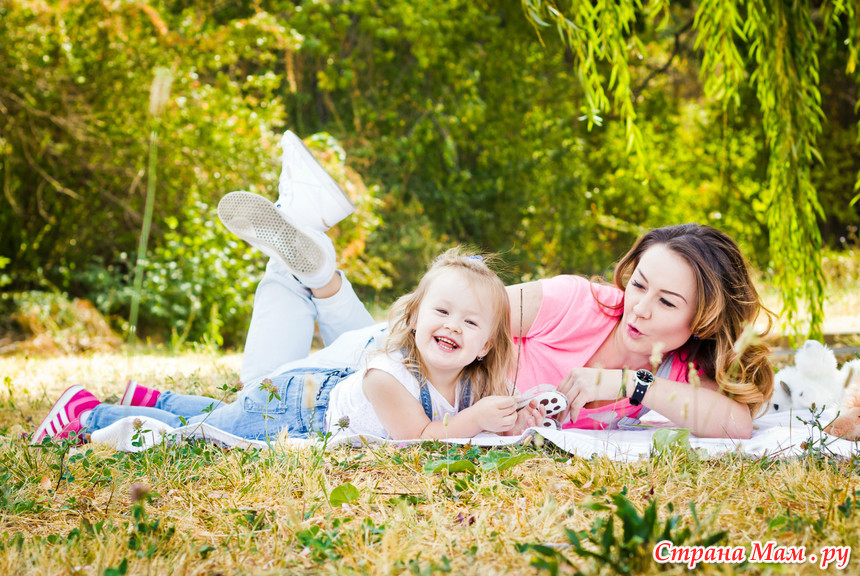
(623, 388)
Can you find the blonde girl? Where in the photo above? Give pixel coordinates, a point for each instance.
(439, 372)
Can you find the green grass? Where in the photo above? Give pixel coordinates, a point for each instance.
(197, 509)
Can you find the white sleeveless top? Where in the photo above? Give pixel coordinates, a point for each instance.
(348, 399)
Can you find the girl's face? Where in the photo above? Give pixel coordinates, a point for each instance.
(659, 302)
(454, 323)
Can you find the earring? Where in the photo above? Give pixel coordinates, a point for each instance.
(413, 330)
(480, 358)
(695, 337)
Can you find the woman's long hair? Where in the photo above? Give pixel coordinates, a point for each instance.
(489, 375)
(727, 308)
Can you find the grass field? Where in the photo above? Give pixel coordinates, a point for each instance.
(198, 509)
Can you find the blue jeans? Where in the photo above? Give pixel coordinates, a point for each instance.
(262, 412)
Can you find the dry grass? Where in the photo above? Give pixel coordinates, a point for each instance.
(246, 512)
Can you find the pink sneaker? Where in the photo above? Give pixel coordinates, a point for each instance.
(138, 395)
(64, 417)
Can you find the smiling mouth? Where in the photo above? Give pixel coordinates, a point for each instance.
(446, 343)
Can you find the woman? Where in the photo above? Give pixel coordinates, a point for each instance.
(682, 296)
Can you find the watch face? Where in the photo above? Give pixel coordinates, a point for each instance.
(644, 376)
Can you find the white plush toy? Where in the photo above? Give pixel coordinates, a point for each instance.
(815, 379)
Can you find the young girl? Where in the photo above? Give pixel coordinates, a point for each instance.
(447, 353)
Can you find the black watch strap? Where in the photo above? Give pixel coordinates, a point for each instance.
(643, 380)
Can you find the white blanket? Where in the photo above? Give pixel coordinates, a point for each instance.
(778, 435)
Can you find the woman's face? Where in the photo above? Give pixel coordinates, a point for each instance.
(659, 302)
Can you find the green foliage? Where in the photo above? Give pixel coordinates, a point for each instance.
(492, 460)
(345, 493)
(4, 278)
(198, 283)
(53, 322)
(555, 148)
(782, 42)
(627, 552)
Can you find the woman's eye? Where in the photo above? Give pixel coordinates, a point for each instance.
(636, 284)
(667, 303)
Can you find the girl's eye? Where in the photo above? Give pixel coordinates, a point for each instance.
(441, 311)
(472, 322)
(636, 284)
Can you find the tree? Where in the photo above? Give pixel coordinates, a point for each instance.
(770, 45)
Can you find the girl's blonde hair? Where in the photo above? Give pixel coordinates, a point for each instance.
(489, 375)
(727, 307)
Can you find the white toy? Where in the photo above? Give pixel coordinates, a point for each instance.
(815, 379)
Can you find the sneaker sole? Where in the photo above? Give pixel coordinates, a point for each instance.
(335, 191)
(257, 221)
(61, 402)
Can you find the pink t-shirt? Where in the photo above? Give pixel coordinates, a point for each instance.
(569, 328)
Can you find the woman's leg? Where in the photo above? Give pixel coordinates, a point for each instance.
(301, 283)
(282, 324)
(340, 312)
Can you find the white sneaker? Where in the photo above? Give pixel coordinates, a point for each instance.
(306, 191)
(307, 253)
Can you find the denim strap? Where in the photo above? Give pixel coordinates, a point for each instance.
(424, 391)
(426, 403)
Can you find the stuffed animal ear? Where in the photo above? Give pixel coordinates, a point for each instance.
(785, 388)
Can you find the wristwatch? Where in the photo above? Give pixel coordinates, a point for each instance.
(643, 380)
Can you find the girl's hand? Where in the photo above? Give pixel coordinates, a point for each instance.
(493, 413)
(584, 385)
(529, 416)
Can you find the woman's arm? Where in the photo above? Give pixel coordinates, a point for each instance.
(403, 417)
(531, 296)
(702, 409)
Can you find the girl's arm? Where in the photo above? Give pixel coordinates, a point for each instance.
(532, 296)
(403, 417)
(702, 409)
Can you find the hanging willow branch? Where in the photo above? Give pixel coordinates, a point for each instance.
(770, 45)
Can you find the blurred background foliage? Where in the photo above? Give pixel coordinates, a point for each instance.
(446, 121)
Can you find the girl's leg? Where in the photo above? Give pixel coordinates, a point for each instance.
(295, 401)
(169, 407)
(186, 405)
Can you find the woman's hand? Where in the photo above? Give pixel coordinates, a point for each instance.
(529, 416)
(493, 413)
(584, 385)
(702, 409)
